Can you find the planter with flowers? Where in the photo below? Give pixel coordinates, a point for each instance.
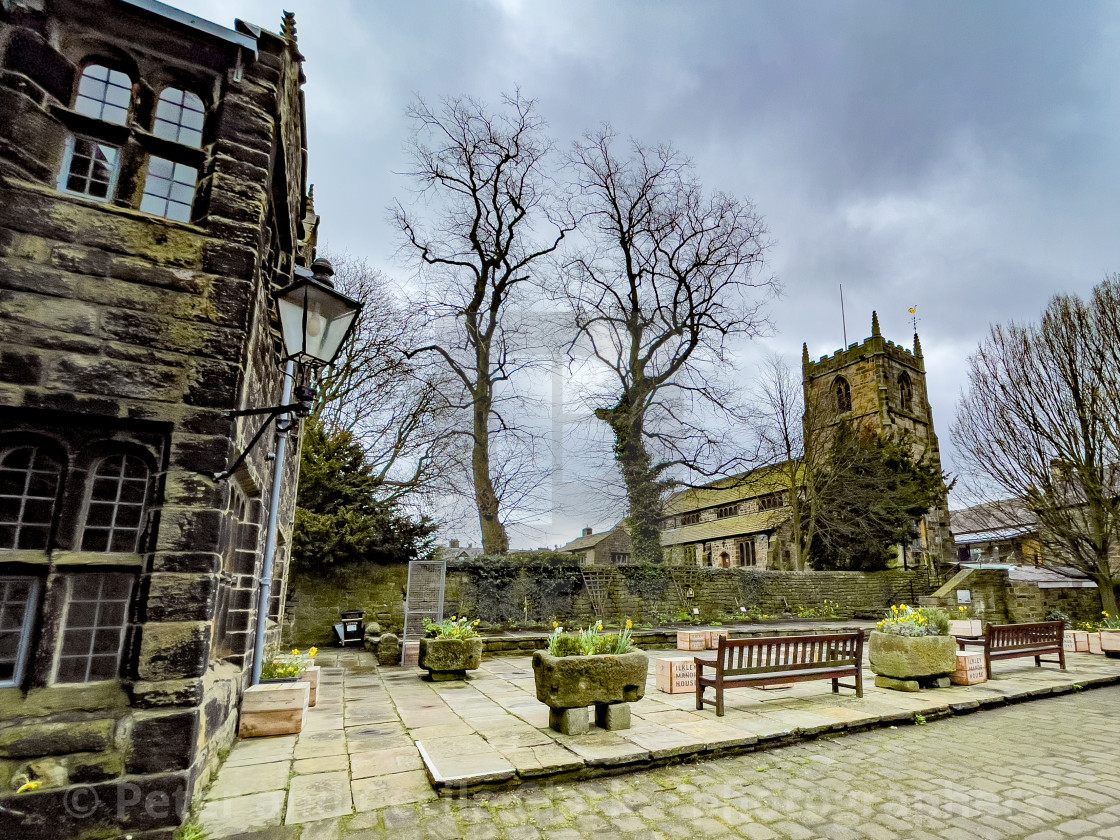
(277, 705)
(912, 647)
(1110, 636)
(590, 668)
(450, 648)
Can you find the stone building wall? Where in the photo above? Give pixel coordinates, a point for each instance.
(124, 334)
(507, 595)
(999, 600)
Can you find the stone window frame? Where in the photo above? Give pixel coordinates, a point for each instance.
(746, 552)
(726, 511)
(56, 456)
(103, 630)
(23, 642)
(101, 101)
(905, 392)
(842, 392)
(67, 172)
(92, 478)
(163, 194)
(169, 117)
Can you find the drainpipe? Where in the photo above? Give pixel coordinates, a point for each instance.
(283, 424)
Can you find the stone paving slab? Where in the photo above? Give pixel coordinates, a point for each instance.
(399, 740)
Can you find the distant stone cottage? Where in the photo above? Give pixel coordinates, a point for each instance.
(153, 194)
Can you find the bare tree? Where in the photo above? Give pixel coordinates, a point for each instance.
(669, 278)
(392, 406)
(1039, 422)
(794, 442)
(493, 220)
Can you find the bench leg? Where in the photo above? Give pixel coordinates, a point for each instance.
(699, 697)
(1038, 662)
(835, 686)
(988, 665)
(719, 701)
(1062, 658)
(859, 682)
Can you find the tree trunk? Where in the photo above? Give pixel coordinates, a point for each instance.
(643, 491)
(495, 540)
(1107, 588)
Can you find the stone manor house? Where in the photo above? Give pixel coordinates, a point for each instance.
(153, 194)
(744, 520)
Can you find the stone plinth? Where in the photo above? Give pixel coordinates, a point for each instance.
(310, 676)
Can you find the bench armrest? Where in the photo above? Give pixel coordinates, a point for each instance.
(700, 663)
(970, 640)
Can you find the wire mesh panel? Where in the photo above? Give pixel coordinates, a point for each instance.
(424, 597)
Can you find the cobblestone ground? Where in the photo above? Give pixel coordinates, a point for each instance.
(1043, 770)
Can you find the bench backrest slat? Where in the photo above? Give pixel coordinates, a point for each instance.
(787, 653)
(1012, 636)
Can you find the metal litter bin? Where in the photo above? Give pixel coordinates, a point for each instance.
(351, 628)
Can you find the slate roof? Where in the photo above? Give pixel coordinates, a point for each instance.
(734, 488)
(731, 526)
(1000, 520)
(590, 541)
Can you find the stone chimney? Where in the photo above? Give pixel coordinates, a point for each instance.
(453, 544)
(587, 532)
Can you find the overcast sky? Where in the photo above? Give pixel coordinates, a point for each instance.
(960, 156)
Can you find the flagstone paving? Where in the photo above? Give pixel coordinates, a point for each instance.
(382, 741)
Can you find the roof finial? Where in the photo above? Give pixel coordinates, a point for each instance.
(288, 29)
(875, 324)
(804, 354)
(917, 346)
(310, 211)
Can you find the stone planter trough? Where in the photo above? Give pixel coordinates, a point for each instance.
(906, 662)
(569, 684)
(310, 676)
(450, 659)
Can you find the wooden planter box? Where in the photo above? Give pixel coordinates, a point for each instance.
(449, 659)
(1075, 641)
(971, 627)
(1110, 643)
(1095, 643)
(714, 637)
(675, 675)
(970, 669)
(274, 709)
(310, 676)
(692, 640)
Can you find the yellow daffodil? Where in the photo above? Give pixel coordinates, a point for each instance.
(313, 652)
(295, 651)
(555, 624)
(629, 624)
(28, 787)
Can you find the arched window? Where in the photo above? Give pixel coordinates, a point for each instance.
(843, 394)
(104, 94)
(28, 488)
(118, 489)
(905, 392)
(179, 117)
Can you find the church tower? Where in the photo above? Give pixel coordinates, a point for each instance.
(882, 386)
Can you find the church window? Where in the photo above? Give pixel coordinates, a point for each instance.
(29, 481)
(905, 392)
(104, 94)
(843, 394)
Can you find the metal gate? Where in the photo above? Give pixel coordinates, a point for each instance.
(424, 596)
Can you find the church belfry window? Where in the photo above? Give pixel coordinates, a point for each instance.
(905, 392)
(843, 394)
(104, 94)
(179, 117)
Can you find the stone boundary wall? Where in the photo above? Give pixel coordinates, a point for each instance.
(996, 599)
(539, 592)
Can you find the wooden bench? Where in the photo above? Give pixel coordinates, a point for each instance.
(1008, 641)
(777, 660)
